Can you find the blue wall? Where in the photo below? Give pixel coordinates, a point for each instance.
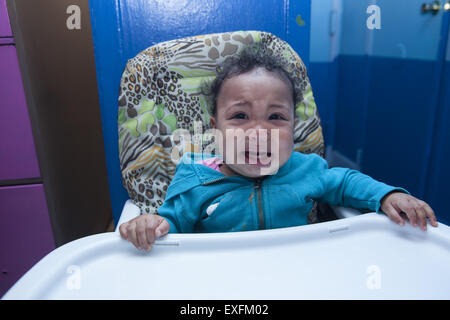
(437, 190)
(122, 28)
(324, 66)
(389, 109)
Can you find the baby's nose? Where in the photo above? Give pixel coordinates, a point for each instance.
(257, 137)
(258, 125)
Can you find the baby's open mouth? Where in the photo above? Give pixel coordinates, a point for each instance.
(257, 158)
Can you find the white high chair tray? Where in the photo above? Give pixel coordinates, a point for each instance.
(363, 257)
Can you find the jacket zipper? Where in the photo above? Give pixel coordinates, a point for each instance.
(212, 181)
(261, 213)
(258, 189)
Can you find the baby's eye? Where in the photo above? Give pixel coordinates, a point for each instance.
(239, 116)
(276, 116)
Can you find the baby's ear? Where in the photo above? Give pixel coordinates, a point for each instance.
(212, 122)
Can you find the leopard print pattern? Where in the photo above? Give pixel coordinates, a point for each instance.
(160, 91)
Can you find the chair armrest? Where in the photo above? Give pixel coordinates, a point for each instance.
(129, 211)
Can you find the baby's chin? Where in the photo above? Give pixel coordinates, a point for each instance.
(254, 170)
(248, 171)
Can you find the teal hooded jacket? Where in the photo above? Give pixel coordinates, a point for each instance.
(201, 199)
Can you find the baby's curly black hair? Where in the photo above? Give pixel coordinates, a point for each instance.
(254, 56)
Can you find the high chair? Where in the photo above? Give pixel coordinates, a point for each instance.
(160, 91)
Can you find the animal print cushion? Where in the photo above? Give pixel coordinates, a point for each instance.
(160, 91)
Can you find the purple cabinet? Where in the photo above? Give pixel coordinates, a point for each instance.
(25, 231)
(17, 152)
(5, 28)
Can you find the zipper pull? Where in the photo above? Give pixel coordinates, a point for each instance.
(213, 181)
(260, 209)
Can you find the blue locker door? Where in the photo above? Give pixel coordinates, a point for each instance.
(437, 191)
(403, 87)
(122, 28)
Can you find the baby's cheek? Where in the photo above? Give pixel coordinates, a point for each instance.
(285, 145)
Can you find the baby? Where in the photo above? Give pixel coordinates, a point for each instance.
(238, 190)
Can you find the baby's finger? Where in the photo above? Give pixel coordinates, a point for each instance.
(163, 228)
(150, 231)
(142, 236)
(131, 234)
(393, 214)
(429, 213)
(422, 216)
(123, 230)
(408, 208)
(422, 219)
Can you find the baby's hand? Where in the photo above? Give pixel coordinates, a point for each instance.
(142, 230)
(416, 210)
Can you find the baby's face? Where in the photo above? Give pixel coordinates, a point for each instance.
(262, 101)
